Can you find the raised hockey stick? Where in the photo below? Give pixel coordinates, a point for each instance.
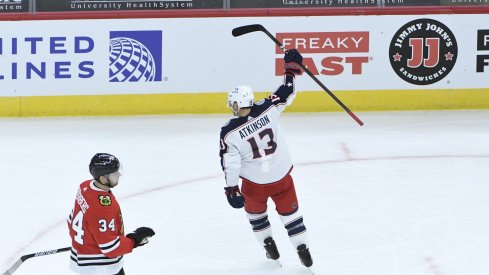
(257, 27)
(28, 256)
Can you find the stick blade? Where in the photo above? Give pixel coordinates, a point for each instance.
(246, 29)
(14, 267)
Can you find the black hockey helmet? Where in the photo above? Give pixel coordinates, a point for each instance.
(103, 164)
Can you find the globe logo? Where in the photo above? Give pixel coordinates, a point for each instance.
(130, 61)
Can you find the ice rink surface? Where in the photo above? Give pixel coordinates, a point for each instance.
(406, 194)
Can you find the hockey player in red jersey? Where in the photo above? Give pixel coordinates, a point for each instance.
(253, 149)
(95, 223)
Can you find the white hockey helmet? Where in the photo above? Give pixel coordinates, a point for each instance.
(242, 96)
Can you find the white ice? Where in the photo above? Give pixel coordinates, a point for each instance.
(406, 194)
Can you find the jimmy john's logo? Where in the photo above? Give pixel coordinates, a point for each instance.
(105, 200)
(423, 51)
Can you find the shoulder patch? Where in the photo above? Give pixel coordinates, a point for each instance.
(104, 200)
(260, 102)
(274, 97)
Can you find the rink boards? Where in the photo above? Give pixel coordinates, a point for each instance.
(186, 65)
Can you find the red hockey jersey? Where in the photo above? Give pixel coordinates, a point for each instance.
(97, 232)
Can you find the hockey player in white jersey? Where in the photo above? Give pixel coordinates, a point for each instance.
(253, 149)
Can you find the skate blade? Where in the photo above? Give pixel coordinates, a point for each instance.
(278, 263)
(311, 270)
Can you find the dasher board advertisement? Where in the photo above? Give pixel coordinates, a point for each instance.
(330, 3)
(7, 6)
(199, 55)
(120, 5)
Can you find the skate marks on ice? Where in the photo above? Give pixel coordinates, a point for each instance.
(378, 201)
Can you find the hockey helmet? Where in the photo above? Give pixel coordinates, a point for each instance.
(103, 164)
(242, 96)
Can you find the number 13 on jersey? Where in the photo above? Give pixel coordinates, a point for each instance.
(265, 135)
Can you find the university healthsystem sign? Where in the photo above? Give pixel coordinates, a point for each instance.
(14, 6)
(97, 5)
(328, 3)
(349, 3)
(103, 5)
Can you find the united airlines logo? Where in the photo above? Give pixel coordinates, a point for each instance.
(423, 51)
(135, 56)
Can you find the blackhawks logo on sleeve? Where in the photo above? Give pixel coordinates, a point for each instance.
(105, 200)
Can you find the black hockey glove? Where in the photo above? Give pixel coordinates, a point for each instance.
(141, 235)
(292, 59)
(235, 198)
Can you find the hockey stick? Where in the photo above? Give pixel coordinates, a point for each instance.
(28, 256)
(257, 27)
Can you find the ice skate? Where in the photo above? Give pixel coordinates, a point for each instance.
(304, 255)
(272, 251)
(271, 248)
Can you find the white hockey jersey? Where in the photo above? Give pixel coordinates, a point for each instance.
(252, 147)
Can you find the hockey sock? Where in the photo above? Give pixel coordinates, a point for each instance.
(260, 225)
(296, 229)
